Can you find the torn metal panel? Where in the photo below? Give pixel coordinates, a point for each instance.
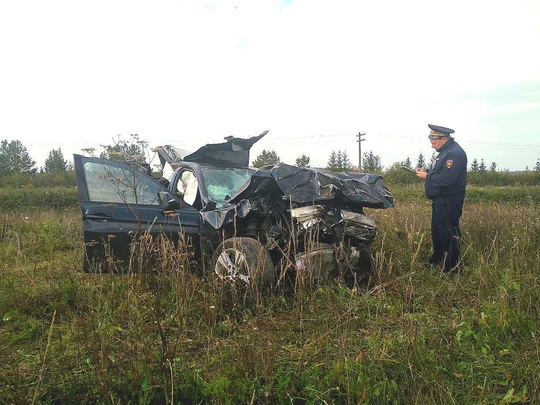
(170, 154)
(359, 226)
(308, 216)
(219, 217)
(317, 264)
(235, 151)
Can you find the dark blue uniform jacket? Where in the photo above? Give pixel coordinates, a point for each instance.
(448, 176)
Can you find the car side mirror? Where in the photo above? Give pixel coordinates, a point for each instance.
(167, 201)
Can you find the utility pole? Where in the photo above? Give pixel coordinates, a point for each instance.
(360, 140)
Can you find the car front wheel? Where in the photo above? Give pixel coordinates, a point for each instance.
(244, 260)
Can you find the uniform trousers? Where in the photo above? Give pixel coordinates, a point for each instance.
(445, 232)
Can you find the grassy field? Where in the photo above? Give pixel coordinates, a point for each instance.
(409, 336)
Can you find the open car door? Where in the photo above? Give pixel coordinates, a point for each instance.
(119, 203)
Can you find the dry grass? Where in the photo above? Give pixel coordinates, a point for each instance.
(167, 335)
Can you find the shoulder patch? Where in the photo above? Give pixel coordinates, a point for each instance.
(449, 163)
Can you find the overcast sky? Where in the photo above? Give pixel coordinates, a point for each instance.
(78, 74)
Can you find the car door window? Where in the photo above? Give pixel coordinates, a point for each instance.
(111, 183)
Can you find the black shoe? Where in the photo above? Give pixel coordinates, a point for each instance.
(435, 259)
(452, 269)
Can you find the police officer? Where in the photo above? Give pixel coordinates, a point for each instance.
(445, 186)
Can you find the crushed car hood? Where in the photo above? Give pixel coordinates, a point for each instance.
(307, 185)
(302, 186)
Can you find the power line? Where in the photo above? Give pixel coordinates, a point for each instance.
(488, 145)
(346, 137)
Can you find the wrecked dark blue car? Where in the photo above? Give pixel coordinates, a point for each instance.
(244, 223)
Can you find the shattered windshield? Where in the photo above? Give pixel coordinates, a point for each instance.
(223, 182)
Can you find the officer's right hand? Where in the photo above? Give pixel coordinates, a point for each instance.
(421, 173)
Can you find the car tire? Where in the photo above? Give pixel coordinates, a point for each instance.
(243, 260)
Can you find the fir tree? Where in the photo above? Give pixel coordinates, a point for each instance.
(302, 161)
(407, 163)
(55, 162)
(332, 164)
(474, 166)
(339, 161)
(14, 158)
(482, 167)
(345, 162)
(421, 161)
(371, 163)
(266, 158)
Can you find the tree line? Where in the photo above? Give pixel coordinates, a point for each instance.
(15, 161)
(339, 162)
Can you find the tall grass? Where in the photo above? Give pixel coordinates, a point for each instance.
(168, 335)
